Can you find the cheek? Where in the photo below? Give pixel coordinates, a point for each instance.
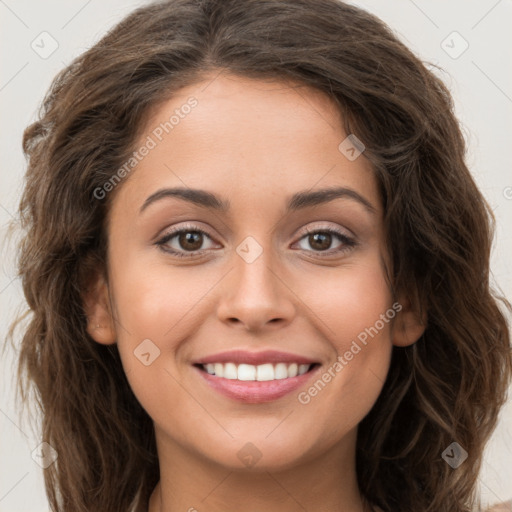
(354, 313)
(149, 308)
(158, 303)
(349, 301)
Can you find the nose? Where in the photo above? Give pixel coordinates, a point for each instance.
(255, 295)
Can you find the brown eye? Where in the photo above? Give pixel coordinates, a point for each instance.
(320, 241)
(190, 240)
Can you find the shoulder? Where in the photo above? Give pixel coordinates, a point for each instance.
(498, 507)
(501, 507)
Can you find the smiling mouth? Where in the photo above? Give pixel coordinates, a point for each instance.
(260, 373)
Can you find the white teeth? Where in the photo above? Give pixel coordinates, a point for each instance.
(292, 370)
(246, 372)
(262, 372)
(265, 372)
(303, 368)
(281, 371)
(230, 371)
(219, 369)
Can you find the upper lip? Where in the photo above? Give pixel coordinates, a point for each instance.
(254, 358)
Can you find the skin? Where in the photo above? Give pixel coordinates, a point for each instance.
(254, 143)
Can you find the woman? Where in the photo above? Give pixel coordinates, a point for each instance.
(329, 340)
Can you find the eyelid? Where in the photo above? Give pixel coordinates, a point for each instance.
(187, 226)
(327, 227)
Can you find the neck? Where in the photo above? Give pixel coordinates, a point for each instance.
(189, 482)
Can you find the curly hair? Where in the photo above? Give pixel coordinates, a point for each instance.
(447, 387)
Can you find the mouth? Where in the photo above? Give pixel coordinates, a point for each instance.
(254, 384)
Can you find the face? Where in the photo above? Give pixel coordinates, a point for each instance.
(256, 311)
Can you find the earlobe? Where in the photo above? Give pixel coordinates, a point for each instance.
(100, 324)
(409, 325)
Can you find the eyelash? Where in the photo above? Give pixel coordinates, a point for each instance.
(348, 243)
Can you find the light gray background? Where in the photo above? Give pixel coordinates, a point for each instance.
(480, 79)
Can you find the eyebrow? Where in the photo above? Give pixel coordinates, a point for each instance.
(300, 200)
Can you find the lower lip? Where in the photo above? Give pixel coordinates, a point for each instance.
(256, 392)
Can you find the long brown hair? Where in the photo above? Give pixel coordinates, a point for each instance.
(447, 387)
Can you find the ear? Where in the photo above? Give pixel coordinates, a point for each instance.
(409, 324)
(100, 321)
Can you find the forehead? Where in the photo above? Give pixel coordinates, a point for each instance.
(251, 139)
